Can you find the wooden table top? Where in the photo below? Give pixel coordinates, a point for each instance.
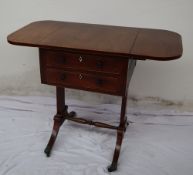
(139, 43)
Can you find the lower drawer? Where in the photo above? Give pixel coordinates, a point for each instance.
(84, 81)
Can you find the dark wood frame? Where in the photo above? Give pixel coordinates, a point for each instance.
(63, 114)
(126, 44)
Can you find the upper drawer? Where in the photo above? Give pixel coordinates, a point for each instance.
(59, 59)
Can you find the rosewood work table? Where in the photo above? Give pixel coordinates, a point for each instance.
(97, 58)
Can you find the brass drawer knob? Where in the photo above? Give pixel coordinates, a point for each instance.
(80, 59)
(80, 76)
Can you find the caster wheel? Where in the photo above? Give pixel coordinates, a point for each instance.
(112, 167)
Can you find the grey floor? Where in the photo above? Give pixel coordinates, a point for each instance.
(157, 142)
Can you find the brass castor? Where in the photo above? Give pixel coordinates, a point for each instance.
(112, 167)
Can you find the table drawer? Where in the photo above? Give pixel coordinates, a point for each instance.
(84, 81)
(59, 59)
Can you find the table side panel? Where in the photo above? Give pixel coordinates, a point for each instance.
(34, 33)
(157, 44)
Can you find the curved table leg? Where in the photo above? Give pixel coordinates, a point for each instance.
(62, 110)
(58, 121)
(120, 134)
(113, 166)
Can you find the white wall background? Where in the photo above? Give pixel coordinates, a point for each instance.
(19, 66)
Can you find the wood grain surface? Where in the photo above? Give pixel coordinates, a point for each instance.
(139, 43)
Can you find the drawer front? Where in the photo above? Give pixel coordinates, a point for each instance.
(84, 81)
(59, 59)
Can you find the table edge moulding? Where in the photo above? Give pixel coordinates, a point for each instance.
(96, 58)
